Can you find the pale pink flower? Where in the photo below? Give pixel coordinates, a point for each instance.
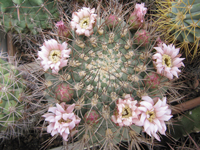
(127, 112)
(53, 55)
(83, 21)
(167, 60)
(154, 113)
(62, 120)
(140, 11)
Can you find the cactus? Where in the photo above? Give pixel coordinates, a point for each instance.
(12, 104)
(27, 16)
(186, 124)
(179, 21)
(108, 64)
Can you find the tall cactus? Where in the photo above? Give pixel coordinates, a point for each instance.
(107, 72)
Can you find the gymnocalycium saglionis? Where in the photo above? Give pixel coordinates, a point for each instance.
(106, 76)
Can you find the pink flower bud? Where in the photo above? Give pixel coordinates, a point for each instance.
(136, 19)
(92, 117)
(112, 20)
(142, 37)
(152, 80)
(64, 92)
(62, 29)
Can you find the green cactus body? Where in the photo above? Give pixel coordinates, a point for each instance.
(27, 16)
(179, 21)
(12, 89)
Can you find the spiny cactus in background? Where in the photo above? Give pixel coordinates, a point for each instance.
(108, 72)
(12, 92)
(179, 21)
(27, 16)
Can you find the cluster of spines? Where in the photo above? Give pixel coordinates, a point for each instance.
(180, 20)
(12, 100)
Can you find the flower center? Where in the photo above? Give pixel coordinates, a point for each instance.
(150, 115)
(126, 112)
(64, 121)
(166, 60)
(55, 56)
(84, 23)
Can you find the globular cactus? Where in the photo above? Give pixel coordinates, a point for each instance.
(12, 105)
(27, 16)
(179, 21)
(109, 71)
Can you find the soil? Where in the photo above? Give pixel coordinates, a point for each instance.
(31, 141)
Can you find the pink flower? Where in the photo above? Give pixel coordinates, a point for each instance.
(140, 11)
(53, 55)
(167, 60)
(83, 21)
(62, 120)
(62, 29)
(154, 113)
(127, 112)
